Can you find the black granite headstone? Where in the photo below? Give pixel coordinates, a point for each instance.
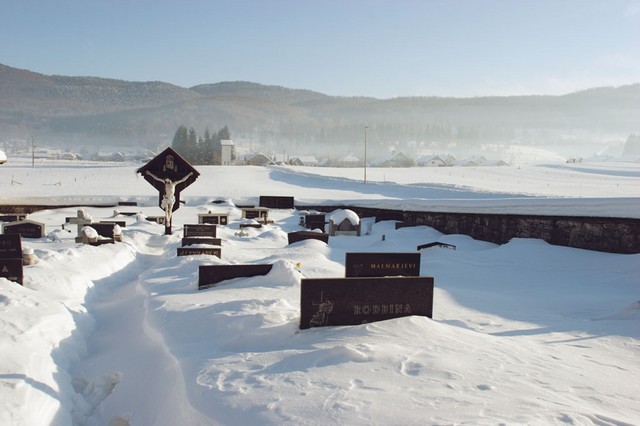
(276, 202)
(103, 229)
(10, 246)
(13, 217)
(213, 219)
(200, 250)
(436, 244)
(11, 269)
(294, 237)
(200, 230)
(315, 221)
(25, 228)
(353, 301)
(382, 264)
(188, 241)
(210, 275)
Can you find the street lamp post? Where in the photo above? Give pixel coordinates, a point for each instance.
(365, 153)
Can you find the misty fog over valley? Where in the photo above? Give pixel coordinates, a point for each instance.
(86, 114)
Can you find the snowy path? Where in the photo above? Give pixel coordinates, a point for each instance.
(118, 380)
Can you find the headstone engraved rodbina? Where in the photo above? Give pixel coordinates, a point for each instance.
(169, 173)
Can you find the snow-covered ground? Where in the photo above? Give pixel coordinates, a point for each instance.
(523, 333)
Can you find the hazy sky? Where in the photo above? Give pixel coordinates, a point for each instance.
(380, 48)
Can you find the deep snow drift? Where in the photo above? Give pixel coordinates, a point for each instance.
(522, 333)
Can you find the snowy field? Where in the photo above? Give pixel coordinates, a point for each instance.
(522, 333)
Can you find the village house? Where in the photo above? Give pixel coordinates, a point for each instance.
(431, 161)
(256, 159)
(349, 161)
(393, 159)
(304, 161)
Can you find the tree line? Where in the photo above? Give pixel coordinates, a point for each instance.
(201, 150)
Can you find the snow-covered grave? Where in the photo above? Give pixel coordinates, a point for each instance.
(522, 333)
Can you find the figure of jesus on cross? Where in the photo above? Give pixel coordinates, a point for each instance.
(169, 195)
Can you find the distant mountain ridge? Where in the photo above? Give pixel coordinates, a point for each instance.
(82, 110)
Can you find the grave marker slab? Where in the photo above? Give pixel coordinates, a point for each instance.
(200, 250)
(10, 246)
(26, 228)
(17, 217)
(210, 275)
(213, 218)
(157, 219)
(103, 229)
(200, 230)
(188, 241)
(294, 237)
(250, 225)
(11, 269)
(436, 244)
(382, 264)
(276, 202)
(260, 213)
(315, 221)
(353, 301)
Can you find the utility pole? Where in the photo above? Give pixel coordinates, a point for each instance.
(365, 153)
(33, 152)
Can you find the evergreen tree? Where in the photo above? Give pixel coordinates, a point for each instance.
(180, 141)
(192, 146)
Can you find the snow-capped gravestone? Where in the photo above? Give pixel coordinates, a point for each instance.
(213, 218)
(169, 173)
(294, 237)
(260, 214)
(25, 228)
(276, 202)
(210, 275)
(344, 222)
(11, 258)
(382, 264)
(353, 301)
(200, 234)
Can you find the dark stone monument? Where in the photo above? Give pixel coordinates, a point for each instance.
(294, 237)
(200, 230)
(11, 269)
(436, 244)
(127, 203)
(11, 258)
(258, 213)
(353, 301)
(157, 219)
(188, 241)
(17, 217)
(104, 229)
(276, 202)
(169, 173)
(10, 246)
(200, 250)
(382, 264)
(315, 221)
(26, 228)
(250, 225)
(213, 218)
(210, 275)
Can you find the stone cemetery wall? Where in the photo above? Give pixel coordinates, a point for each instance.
(612, 235)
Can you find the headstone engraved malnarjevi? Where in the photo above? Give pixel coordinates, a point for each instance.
(169, 173)
(353, 301)
(382, 264)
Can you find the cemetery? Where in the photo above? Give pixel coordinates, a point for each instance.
(313, 297)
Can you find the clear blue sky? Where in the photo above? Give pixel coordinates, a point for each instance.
(379, 48)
